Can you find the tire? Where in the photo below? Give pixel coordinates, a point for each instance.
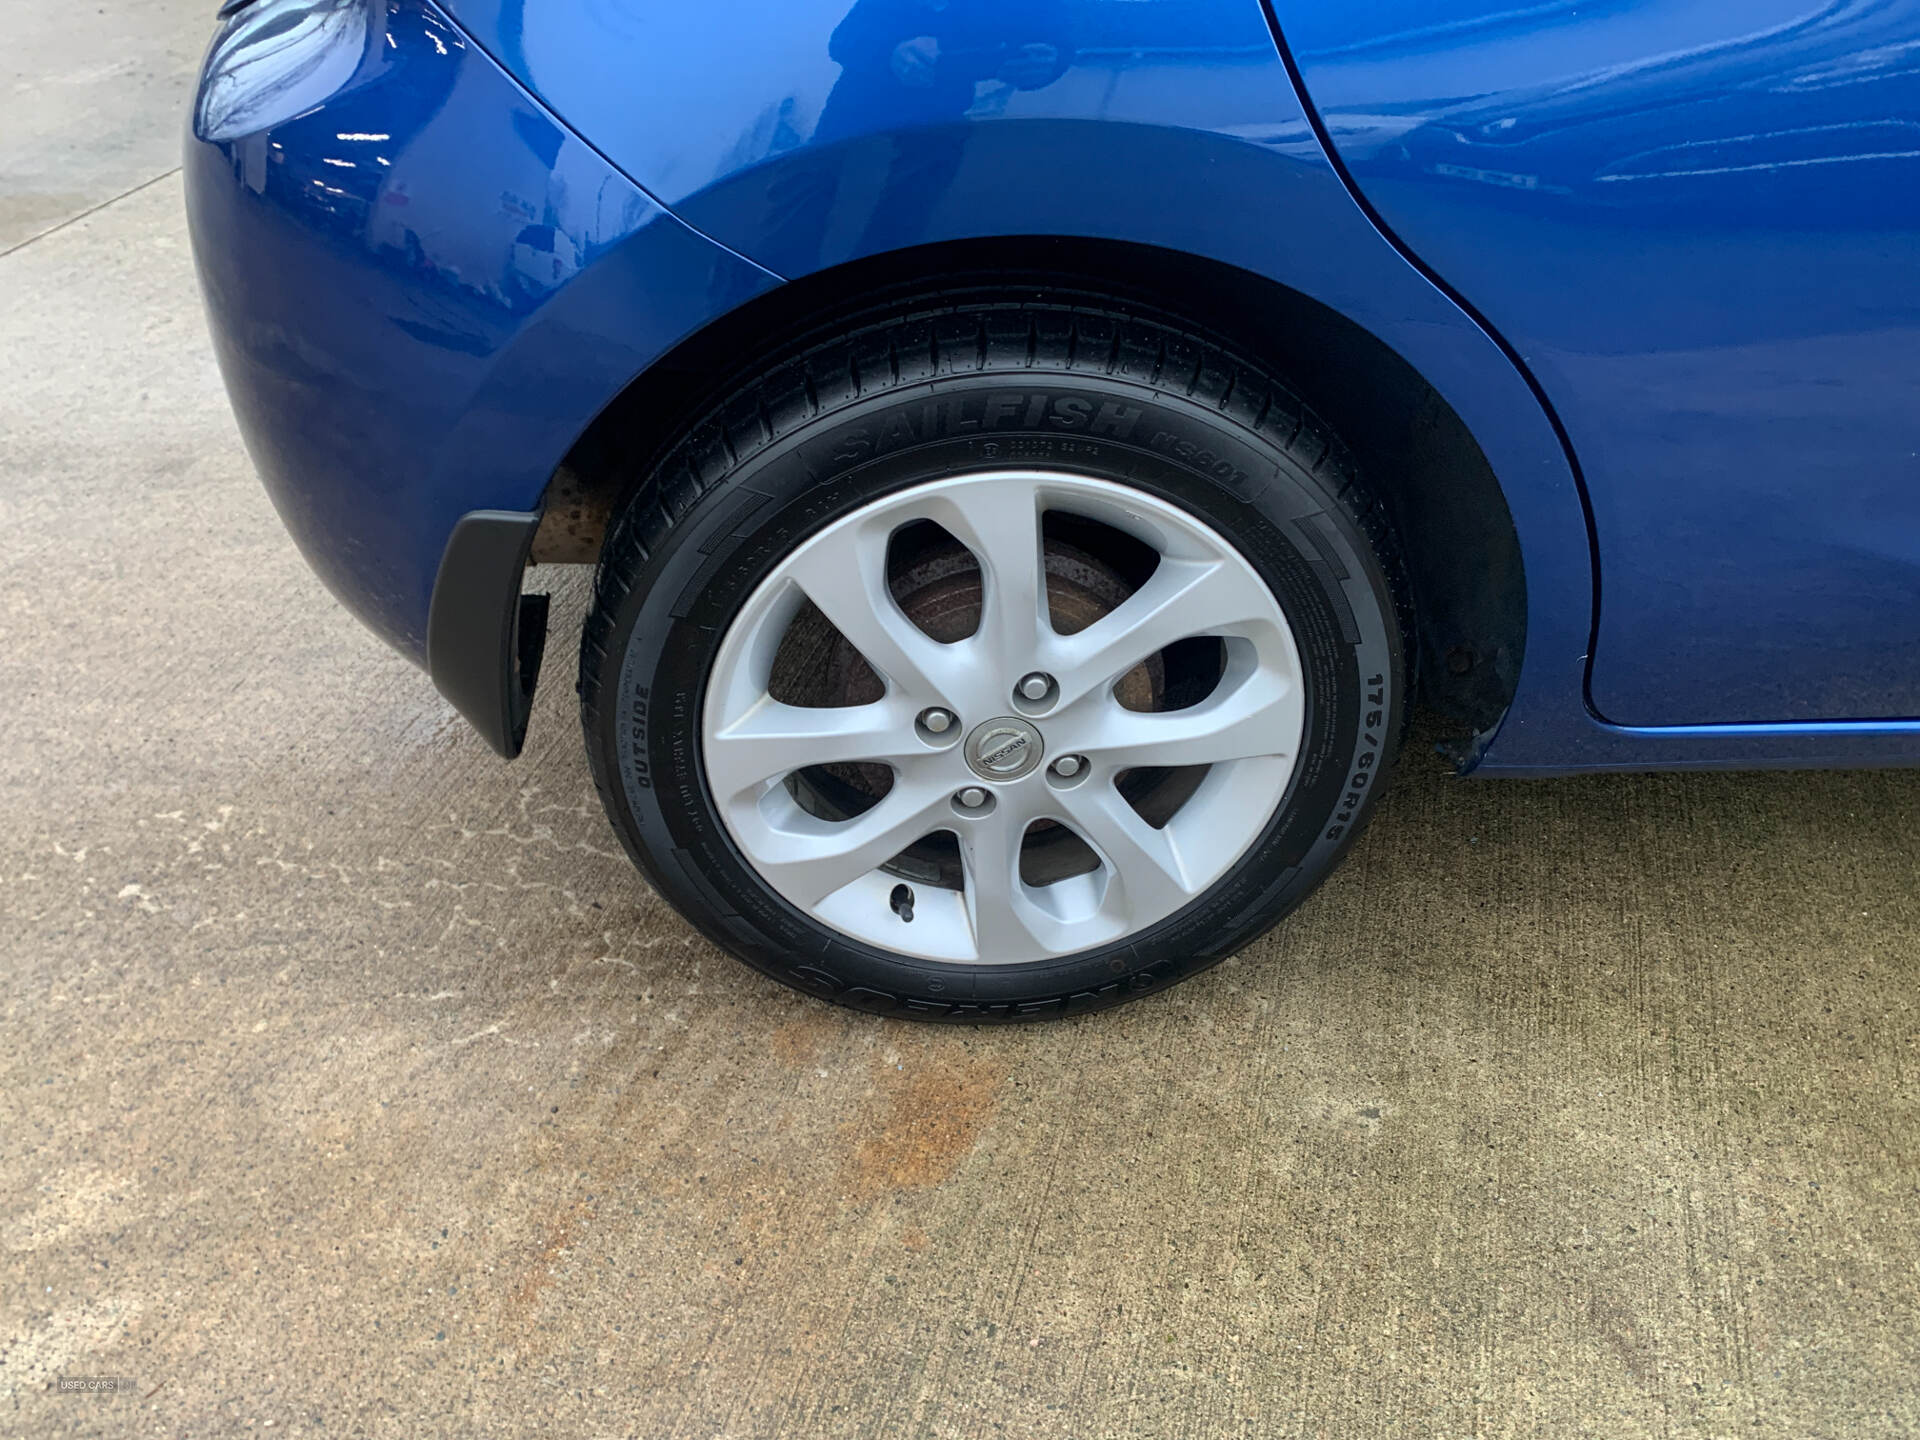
(945, 399)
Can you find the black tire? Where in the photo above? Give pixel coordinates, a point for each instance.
(884, 405)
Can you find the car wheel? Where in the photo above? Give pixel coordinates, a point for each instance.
(995, 662)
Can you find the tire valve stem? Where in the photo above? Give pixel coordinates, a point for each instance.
(901, 902)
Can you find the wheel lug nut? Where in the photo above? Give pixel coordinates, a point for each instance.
(1067, 766)
(972, 798)
(1035, 686)
(936, 720)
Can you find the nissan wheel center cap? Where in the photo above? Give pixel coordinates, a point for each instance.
(1004, 749)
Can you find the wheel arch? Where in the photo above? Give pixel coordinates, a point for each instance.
(1462, 547)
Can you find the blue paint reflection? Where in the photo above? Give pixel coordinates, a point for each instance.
(1679, 109)
(1700, 224)
(421, 289)
(910, 70)
(557, 210)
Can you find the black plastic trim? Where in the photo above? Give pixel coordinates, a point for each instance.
(484, 638)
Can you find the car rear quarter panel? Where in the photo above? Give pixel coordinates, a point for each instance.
(421, 290)
(392, 374)
(797, 136)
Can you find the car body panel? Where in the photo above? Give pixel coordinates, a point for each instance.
(1172, 125)
(1699, 225)
(422, 288)
(392, 376)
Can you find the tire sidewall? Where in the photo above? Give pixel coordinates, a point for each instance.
(1278, 512)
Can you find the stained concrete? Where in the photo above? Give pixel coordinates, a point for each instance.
(352, 1083)
(93, 103)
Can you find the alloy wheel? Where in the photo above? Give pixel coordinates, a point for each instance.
(1075, 712)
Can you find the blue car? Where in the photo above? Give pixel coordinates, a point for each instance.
(1037, 454)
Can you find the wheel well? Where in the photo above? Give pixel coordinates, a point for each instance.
(1462, 552)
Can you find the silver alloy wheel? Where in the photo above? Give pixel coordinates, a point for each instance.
(1247, 730)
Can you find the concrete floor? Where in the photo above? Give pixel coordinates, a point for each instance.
(351, 1082)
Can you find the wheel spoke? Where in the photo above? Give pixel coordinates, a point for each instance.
(845, 575)
(1000, 524)
(772, 740)
(808, 858)
(1004, 920)
(1146, 878)
(1260, 715)
(1182, 599)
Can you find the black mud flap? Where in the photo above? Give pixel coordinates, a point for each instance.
(484, 638)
